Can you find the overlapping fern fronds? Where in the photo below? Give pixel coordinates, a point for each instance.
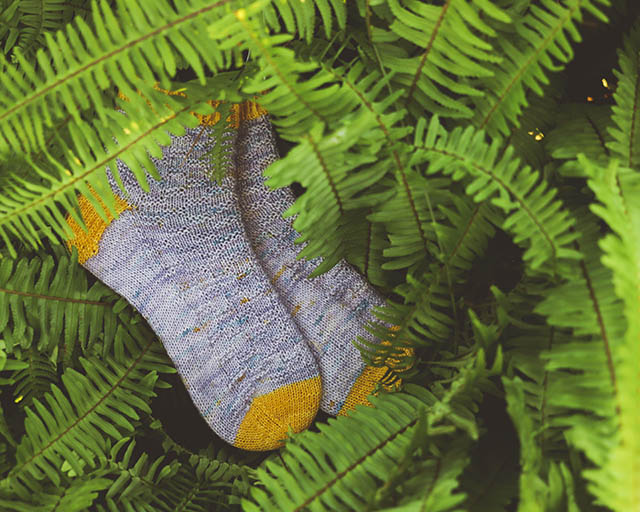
(416, 129)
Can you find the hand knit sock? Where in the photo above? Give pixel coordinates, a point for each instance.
(332, 309)
(180, 255)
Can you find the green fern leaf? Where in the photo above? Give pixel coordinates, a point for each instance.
(48, 303)
(541, 40)
(626, 112)
(453, 47)
(72, 427)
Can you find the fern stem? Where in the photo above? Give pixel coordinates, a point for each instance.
(427, 51)
(530, 60)
(355, 464)
(53, 298)
(100, 165)
(62, 80)
(603, 331)
(19, 468)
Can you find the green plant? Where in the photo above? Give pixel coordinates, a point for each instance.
(439, 144)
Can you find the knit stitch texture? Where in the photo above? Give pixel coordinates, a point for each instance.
(332, 309)
(180, 255)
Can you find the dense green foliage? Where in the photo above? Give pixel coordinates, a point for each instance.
(438, 152)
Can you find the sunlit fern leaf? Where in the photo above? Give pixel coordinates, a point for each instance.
(581, 128)
(333, 175)
(626, 112)
(123, 51)
(536, 217)
(588, 383)
(347, 463)
(541, 43)
(73, 425)
(46, 302)
(300, 16)
(78, 496)
(453, 43)
(617, 191)
(31, 210)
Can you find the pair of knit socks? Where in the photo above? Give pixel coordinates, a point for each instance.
(213, 269)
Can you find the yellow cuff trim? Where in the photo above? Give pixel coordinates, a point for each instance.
(267, 422)
(245, 111)
(88, 242)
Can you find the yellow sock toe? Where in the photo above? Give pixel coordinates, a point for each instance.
(363, 387)
(267, 422)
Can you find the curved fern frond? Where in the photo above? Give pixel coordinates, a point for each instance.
(586, 370)
(626, 112)
(347, 464)
(47, 303)
(74, 426)
(536, 218)
(541, 40)
(300, 16)
(617, 190)
(131, 51)
(31, 210)
(454, 45)
(429, 310)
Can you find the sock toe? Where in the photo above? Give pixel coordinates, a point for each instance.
(267, 422)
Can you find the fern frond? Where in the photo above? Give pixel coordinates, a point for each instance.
(199, 484)
(123, 51)
(536, 218)
(581, 129)
(40, 16)
(626, 112)
(47, 303)
(36, 378)
(78, 496)
(348, 463)
(31, 210)
(542, 40)
(9, 24)
(587, 370)
(617, 190)
(536, 493)
(72, 426)
(333, 176)
(428, 310)
(135, 479)
(453, 43)
(300, 16)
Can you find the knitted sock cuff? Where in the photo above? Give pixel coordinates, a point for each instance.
(87, 242)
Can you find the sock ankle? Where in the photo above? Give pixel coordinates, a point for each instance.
(332, 309)
(180, 255)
